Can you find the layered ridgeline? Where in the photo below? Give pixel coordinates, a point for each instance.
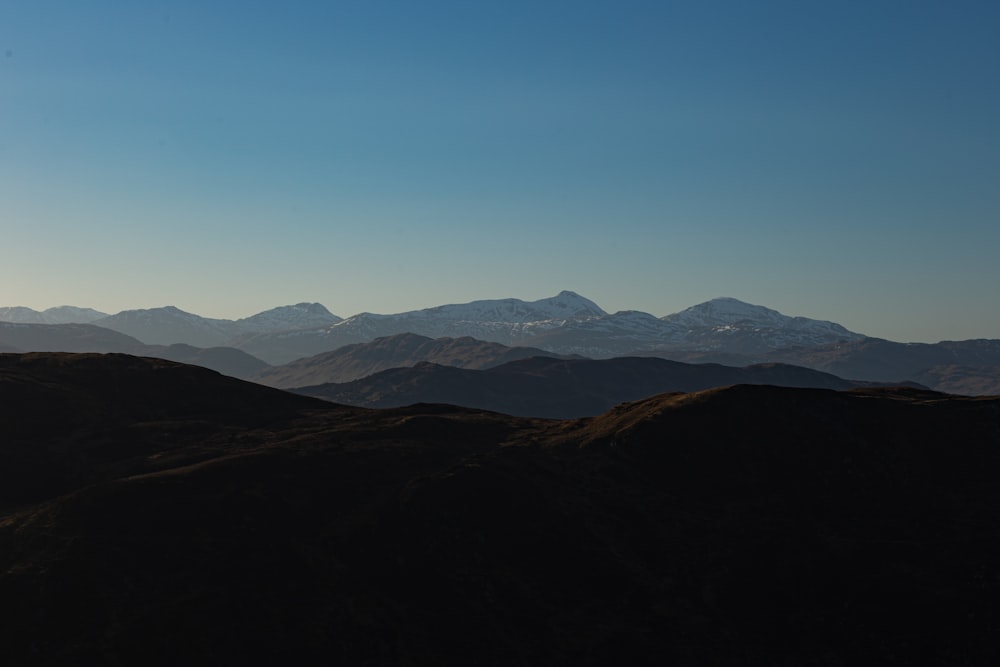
(722, 330)
(505, 321)
(564, 324)
(156, 513)
(164, 326)
(57, 315)
(557, 388)
(353, 362)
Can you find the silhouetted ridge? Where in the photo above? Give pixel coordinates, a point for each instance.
(559, 388)
(72, 418)
(156, 513)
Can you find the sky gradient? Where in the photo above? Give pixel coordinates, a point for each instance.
(832, 160)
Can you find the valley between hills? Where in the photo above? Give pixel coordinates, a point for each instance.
(431, 497)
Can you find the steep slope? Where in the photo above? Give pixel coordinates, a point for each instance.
(744, 525)
(556, 388)
(353, 362)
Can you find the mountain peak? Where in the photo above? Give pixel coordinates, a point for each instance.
(298, 316)
(726, 310)
(733, 318)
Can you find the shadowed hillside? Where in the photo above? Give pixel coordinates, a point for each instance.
(353, 362)
(558, 388)
(228, 522)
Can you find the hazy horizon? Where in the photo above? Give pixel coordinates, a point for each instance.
(834, 161)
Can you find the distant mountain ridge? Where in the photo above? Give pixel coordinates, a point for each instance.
(722, 330)
(564, 324)
(506, 321)
(57, 315)
(83, 338)
(168, 325)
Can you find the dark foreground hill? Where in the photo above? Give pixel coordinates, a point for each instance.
(558, 388)
(197, 519)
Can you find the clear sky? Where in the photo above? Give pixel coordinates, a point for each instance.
(838, 160)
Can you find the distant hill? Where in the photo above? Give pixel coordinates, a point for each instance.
(352, 362)
(559, 388)
(90, 338)
(963, 380)
(887, 361)
(722, 330)
(157, 513)
(225, 360)
(57, 315)
(169, 325)
(66, 338)
(285, 318)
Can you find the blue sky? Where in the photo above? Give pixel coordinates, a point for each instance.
(833, 160)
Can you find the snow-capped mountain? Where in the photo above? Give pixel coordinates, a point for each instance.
(284, 318)
(507, 321)
(725, 324)
(564, 306)
(739, 327)
(56, 315)
(728, 312)
(566, 324)
(623, 332)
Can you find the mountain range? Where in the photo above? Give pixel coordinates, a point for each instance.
(159, 513)
(724, 330)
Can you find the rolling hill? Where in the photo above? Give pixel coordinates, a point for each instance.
(157, 513)
(557, 388)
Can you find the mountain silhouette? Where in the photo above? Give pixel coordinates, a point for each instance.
(557, 388)
(167, 514)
